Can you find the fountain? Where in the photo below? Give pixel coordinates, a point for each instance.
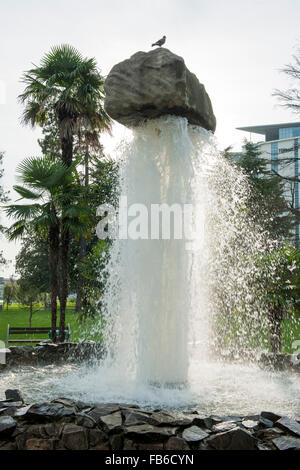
(179, 282)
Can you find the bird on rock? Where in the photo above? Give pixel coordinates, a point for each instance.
(160, 42)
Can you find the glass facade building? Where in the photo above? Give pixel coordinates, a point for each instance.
(289, 132)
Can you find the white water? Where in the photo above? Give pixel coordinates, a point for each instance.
(161, 296)
(162, 300)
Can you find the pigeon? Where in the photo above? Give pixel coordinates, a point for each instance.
(160, 42)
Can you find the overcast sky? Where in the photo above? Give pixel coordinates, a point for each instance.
(235, 47)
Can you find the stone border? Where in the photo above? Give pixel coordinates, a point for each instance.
(64, 424)
(46, 353)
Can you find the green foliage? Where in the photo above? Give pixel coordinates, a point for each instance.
(32, 263)
(279, 277)
(69, 85)
(9, 293)
(92, 268)
(50, 183)
(3, 199)
(266, 202)
(28, 296)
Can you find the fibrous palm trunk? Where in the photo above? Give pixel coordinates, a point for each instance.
(80, 299)
(67, 156)
(53, 262)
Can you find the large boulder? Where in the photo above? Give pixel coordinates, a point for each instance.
(156, 83)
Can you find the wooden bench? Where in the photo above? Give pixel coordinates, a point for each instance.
(36, 330)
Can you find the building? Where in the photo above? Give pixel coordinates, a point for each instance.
(281, 147)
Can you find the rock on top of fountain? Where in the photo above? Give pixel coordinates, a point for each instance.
(155, 83)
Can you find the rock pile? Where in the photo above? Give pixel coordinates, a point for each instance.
(74, 425)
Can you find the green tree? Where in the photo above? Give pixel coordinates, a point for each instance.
(266, 202)
(3, 199)
(28, 295)
(32, 264)
(9, 293)
(49, 185)
(72, 87)
(279, 284)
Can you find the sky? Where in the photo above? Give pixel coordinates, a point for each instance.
(235, 47)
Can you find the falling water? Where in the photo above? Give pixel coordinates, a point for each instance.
(172, 306)
(162, 295)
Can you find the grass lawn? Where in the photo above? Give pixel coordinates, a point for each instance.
(18, 316)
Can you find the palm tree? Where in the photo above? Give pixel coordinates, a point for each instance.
(48, 184)
(72, 86)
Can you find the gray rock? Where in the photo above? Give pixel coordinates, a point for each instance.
(176, 443)
(116, 442)
(271, 416)
(113, 421)
(223, 426)
(96, 437)
(40, 444)
(287, 443)
(45, 412)
(102, 410)
(75, 437)
(235, 439)
(165, 418)
(132, 417)
(266, 422)
(7, 425)
(14, 395)
(249, 424)
(156, 83)
(194, 434)
(289, 425)
(148, 432)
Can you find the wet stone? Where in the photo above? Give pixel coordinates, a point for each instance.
(271, 416)
(112, 421)
(102, 410)
(249, 424)
(224, 426)
(7, 425)
(74, 437)
(266, 422)
(194, 434)
(148, 432)
(14, 395)
(49, 412)
(39, 444)
(176, 443)
(133, 418)
(116, 442)
(287, 443)
(96, 437)
(289, 425)
(235, 439)
(164, 418)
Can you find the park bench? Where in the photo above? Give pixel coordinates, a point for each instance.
(35, 330)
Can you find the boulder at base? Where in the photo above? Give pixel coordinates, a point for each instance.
(153, 84)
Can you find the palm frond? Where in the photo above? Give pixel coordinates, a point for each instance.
(26, 193)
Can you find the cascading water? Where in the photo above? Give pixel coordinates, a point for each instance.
(162, 293)
(171, 304)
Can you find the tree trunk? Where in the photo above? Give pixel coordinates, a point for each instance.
(67, 157)
(80, 301)
(275, 316)
(30, 314)
(53, 263)
(64, 257)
